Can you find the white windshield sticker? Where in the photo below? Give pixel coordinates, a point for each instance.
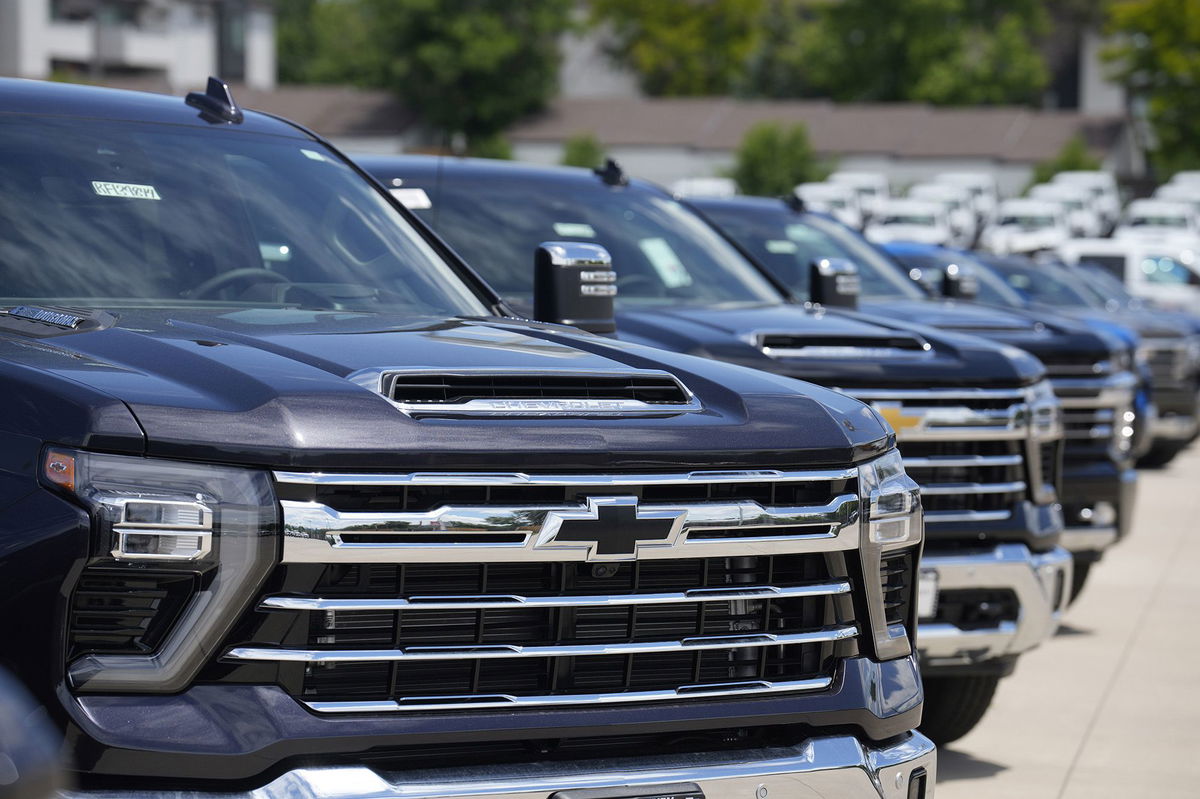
(412, 199)
(782, 246)
(313, 154)
(134, 191)
(576, 230)
(664, 260)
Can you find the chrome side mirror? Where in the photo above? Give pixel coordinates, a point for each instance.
(574, 284)
(960, 283)
(834, 282)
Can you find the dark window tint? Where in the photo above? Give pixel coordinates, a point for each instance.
(787, 243)
(662, 252)
(108, 213)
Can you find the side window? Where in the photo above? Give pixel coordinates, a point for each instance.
(1164, 270)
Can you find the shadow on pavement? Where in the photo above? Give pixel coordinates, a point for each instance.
(954, 765)
(1066, 629)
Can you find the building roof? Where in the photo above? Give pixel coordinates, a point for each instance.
(904, 130)
(332, 111)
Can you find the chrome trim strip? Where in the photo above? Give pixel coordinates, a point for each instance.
(829, 766)
(492, 652)
(418, 704)
(315, 533)
(587, 480)
(952, 461)
(955, 489)
(973, 516)
(490, 601)
(937, 393)
(375, 379)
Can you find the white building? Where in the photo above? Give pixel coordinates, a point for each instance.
(171, 43)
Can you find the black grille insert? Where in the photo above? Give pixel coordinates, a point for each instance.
(478, 678)
(449, 389)
(126, 612)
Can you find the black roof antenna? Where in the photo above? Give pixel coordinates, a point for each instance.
(795, 202)
(611, 173)
(216, 104)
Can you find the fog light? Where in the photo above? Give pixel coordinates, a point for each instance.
(1102, 514)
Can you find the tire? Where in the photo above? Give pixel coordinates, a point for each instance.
(1161, 453)
(1079, 577)
(954, 705)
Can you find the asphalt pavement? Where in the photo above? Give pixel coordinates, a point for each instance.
(1109, 707)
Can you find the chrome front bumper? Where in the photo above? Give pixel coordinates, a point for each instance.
(1041, 583)
(1089, 538)
(829, 766)
(1173, 427)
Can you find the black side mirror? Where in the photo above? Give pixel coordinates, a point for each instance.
(834, 282)
(960, 283)
(574, 284)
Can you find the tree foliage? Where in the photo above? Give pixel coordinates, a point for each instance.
(682, 47)
(1159, 59)
(773, 158)
(937, 51)
(1073, 155)
(470, 67)
(583, 150)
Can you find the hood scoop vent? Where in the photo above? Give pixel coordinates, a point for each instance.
(799, 345)
(527, 393)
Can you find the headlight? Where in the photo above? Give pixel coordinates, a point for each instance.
(892, 501)
(893, 527)
(209, 528)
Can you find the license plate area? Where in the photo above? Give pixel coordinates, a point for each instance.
(680, 790)
(927, 594)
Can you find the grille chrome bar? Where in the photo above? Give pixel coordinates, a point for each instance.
(497, 601)
(315, 533)
(582, 480)
(962, 461)
(508, 701)
(971, 516)
(490, 652)
(958, 489)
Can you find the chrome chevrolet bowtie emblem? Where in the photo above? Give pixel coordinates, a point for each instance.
(611, 528)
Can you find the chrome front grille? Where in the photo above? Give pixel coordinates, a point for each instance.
(426, 598)
(974, 452)
(1097, 415)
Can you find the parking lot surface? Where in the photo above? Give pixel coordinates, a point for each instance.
(1111, 706)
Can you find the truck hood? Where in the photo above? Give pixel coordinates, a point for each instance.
(279, 388)
(821, 346)
(1046, 333)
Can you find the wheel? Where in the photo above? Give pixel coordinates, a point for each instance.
(954, 705)
(1079, 576)
(1161, 453)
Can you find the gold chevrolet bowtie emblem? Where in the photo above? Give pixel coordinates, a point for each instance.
(900, 421)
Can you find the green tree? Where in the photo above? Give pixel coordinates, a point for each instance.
(469, 67)
(1158, 59)
(583, 150)
(1073, 155)
(682, 47)
(773, 158)
(494, 146)
(937, 51)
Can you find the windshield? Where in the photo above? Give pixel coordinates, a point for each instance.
(663, 253)
(909, 219)
(1028, 222)
(992, 288)
(1101, 281)
(129, 214)
(787, 243)
(1158, 221)
(1045, 283)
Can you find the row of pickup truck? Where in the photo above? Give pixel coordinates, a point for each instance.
(422, 477)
